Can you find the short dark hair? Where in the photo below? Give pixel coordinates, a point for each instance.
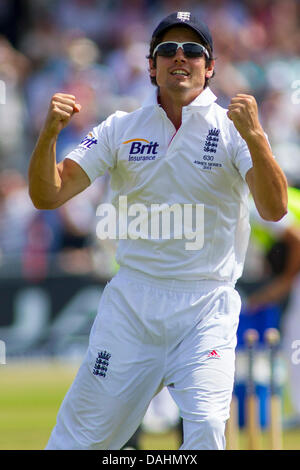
(158, 39)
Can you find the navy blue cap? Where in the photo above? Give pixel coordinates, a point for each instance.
(185, 18)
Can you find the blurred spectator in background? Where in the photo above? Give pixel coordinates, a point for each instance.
(14, 18)
(77, 69)
(16, 214)
(280, 245)
(77, 220)
(63, 238)
(14, 68)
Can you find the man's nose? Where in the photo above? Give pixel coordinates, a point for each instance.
(179, 56)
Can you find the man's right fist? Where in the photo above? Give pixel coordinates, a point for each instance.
(61, 109)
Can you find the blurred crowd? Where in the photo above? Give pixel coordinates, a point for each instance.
(96, 50)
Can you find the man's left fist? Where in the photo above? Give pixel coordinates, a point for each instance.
(243, 113)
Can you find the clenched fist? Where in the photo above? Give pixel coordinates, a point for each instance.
(62, 108)
(243, 113)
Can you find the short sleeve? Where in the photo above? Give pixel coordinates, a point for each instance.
(95, 154)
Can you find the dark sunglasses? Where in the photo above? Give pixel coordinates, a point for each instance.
(190, 49)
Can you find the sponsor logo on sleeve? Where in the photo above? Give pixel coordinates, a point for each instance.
(88, 141)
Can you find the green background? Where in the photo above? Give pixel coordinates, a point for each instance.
(30, 397)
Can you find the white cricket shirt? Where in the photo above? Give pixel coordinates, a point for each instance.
(203, 163)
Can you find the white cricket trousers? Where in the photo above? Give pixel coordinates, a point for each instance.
(151, 333)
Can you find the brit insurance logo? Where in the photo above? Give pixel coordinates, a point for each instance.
(210, 148)
(88, 141)
(141, 150)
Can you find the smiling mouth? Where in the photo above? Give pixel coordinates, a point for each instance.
(180, 73)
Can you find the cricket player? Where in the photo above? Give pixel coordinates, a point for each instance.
(169, 316)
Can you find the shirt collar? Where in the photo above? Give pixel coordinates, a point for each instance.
(206, 98)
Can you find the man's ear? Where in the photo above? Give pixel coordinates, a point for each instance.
(210, 70)
(152, 68)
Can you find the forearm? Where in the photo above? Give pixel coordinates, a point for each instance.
(44, 178)
(274, 292)
(49, 187)
(281, 285)
(268, 185)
